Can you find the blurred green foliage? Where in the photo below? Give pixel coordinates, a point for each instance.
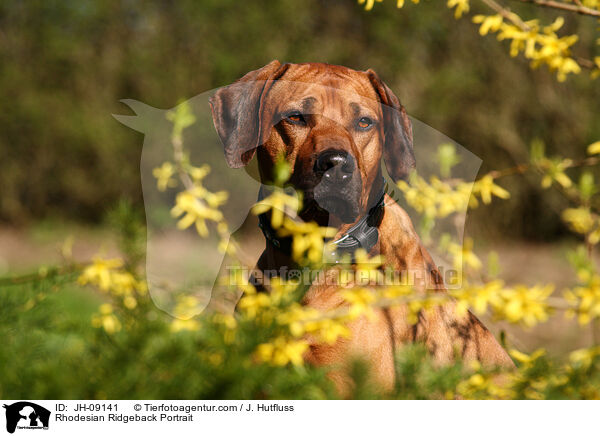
(64, 66)
(51, 350)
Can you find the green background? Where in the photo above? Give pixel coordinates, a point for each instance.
(64, 66)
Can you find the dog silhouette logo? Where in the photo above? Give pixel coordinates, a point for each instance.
(26, 415)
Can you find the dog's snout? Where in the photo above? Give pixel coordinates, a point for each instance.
(335, 166)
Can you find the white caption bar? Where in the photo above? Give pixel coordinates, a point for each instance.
(312, 418)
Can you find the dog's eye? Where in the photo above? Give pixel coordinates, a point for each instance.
(364, 123)
(295, 118)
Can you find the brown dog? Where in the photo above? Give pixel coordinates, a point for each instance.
(334, 125)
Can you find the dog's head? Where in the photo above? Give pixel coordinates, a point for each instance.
(332, 125)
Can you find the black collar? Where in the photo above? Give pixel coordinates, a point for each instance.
(364, 234)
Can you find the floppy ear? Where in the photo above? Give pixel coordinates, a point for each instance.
(398, 151)
(237, 113)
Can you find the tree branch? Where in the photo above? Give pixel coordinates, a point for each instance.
(577, 8)
(517, 21)
(507, 14)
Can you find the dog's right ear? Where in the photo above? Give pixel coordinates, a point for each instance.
(237, 113)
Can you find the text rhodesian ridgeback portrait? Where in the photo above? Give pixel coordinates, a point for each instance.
(334, 124)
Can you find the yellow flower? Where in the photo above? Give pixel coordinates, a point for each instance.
(282, 351)
(462, 255)
(400, 3)
(302, 320)
(368, 269)
(555, 171)
(360, 300)
(486, 188)
(594, 148)
(164, 175)
(527, 359)
(123, 283)
(368, 3)
(584, 357)
(278, 202)
(252, 304)
(228, 321)
(488, 23)
(436, 199)
(187, 307)
(540, 44)
(282, 289)
(307, 239)
(178, 325)
(100, 273)
(580, 219)
(461, 7)
(585, 300)
(111, 324)
(518, 304)
(524, 305)
(106, 274)
(297, 318)
(331, 330)
(397, 291)
(481, 385)
(130, 302)
(194, 211)
(199, 173)
(106, 319)
(478, 298)
(213, 199)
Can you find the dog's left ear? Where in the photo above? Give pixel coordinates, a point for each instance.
(237, 113)
(398, 151)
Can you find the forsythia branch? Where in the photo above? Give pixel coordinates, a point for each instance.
(577, 8)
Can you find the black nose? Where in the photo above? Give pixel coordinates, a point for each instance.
(335, 166)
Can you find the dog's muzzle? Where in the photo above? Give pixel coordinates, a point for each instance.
(338, 191)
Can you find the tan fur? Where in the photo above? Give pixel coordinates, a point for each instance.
(444, 334)
(335, 91)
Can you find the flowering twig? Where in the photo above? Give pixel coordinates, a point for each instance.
(510, 16)
(576, 8)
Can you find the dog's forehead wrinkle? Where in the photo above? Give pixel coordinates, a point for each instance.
(361, 109)
(309, 103)
(319, 95)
